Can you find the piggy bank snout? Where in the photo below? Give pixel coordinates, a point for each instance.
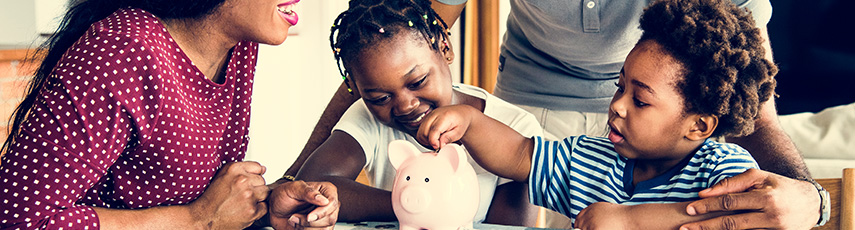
(415, 199)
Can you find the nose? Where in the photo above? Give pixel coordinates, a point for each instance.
(618, 105)
(405, 104)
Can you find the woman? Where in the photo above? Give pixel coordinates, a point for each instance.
(137, 118)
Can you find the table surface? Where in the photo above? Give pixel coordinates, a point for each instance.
(394, 226)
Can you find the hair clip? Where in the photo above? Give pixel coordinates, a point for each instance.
(425, 16)
(434, 22)
(410, 23)
(382, 30)
(432, 40)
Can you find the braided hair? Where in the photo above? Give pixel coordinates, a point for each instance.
(366, 22)
(725, 70)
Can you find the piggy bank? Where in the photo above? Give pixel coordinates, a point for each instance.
(433, 190)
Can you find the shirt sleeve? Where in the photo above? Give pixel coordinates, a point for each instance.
(734, 161)
(761, 10)
(452, 2)
(549, 175)
(77, 128)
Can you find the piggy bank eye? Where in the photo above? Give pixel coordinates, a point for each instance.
(427, 179)
(408, 178)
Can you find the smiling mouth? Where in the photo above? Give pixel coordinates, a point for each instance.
(414, 123)
(286, 9)
(287, 12)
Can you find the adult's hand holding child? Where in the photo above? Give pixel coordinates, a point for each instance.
(766, 198)
(304, 205)
(234, 199)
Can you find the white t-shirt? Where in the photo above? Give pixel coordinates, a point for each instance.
(374, 137)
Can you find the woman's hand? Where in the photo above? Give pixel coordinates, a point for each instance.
(234, 199)
(304, 205)
(603, 215)
(767, 199)
(445, 125)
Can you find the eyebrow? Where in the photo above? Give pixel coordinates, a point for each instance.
(644, 86)
(409, 73)
(639, 84)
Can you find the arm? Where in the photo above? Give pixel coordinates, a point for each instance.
(339, 161)
(764, 199)
(339, 103)
(509, 158)
(510, 206)
(602, 215)
(448, 13)
(772, 148)
(775, 152)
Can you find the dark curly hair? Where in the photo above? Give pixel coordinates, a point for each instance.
(725, 70)
(366, 22)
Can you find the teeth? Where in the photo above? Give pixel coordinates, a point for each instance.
(419, 119)
(286, 9)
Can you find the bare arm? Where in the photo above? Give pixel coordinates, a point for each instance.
(767, 200)
(339, 103)
(448, 13)
(233, 200)
(510, 206)
(339, 160)
(495, 146)
(602, 215)
(772, 148)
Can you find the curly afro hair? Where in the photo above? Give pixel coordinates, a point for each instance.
(725, 70)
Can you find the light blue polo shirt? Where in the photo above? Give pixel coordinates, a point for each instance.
(566, 54)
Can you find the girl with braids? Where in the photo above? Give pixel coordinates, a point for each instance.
(697, 72)
(395, 54)
(137, 119)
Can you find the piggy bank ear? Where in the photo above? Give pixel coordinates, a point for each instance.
(455, 155)
(400, 151)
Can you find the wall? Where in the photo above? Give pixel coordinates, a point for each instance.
(14, 74)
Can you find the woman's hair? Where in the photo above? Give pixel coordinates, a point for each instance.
(80, 16)
(725, 70)
(367, 22)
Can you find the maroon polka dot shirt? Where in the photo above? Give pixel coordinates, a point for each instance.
(126, 121)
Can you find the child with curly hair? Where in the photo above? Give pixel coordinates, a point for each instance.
(697, 72)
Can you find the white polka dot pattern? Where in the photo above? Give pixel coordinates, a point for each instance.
(126, 121)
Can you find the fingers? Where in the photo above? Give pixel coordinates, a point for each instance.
(751, 220)
(301, 221)
(251, 167)
(753, 200)
(739, 183)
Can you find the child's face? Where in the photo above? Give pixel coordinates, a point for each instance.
(646, 113)
(402, 79)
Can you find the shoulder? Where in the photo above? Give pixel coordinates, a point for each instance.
(761, 10)
(716, 154)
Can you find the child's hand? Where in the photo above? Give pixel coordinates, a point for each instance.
(603, 215)
(445, 125)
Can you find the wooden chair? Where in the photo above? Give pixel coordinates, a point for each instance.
(842, 193)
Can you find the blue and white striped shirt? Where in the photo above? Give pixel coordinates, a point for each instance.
(568, 175)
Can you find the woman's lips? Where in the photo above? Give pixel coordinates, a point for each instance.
(287, 13)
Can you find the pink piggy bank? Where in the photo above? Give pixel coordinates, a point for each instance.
(433, 190)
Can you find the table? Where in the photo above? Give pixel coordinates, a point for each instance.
(394, 226)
